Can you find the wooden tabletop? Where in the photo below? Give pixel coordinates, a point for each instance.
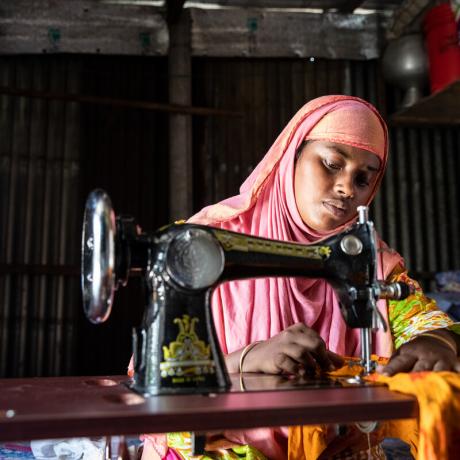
(40, 408)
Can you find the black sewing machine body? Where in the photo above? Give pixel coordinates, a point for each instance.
(175, 348)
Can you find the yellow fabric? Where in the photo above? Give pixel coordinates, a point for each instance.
(434, 436)
(306, 442)
(438, 397)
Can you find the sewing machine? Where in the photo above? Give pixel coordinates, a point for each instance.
(175, 348)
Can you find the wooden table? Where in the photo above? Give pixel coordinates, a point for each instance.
(40, 408)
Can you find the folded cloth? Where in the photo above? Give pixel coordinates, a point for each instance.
(434, 436)
(69, 449)
(448, 281)
(15, 451)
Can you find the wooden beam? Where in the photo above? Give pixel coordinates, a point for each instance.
(180, 126)
(316, 4)
(255, 33)
(440, 108)
(81, 26)
(121, 103)
(349, 6)
(84, 26)
(174, 10)
(408, 18)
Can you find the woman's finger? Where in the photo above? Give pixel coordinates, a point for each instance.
(321, 355)
(285, 364)
(302, 356)
(423, 365)
(314, 345)
(337, 360)
(443, 365)
(400, 363)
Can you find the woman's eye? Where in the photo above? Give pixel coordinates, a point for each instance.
(362, 182)
(331, 165)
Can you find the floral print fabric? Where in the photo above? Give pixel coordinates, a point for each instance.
(416, 314)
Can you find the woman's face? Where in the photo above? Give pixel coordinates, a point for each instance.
(331, 181)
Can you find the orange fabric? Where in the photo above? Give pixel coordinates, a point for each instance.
(434, 436)
(307, 442)
(438, 397)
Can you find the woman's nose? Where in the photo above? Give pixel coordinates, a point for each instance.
(345, 186)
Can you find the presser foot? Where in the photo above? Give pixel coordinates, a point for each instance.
(366, 368)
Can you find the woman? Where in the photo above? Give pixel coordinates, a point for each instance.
(329, 160)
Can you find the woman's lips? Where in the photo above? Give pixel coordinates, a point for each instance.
(335, 210)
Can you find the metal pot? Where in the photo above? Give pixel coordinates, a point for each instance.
(405, 65)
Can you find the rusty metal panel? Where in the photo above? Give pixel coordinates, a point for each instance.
(81, 26)
(255, 33)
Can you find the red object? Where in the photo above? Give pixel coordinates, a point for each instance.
(441, 38)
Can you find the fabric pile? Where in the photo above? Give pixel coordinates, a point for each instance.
(447, 294)
(69, 449)
(435, 435)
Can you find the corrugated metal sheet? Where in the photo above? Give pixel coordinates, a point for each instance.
(51, 155)
(420, 198)
(268, 92)
(81, 26)
(132, 28)
(265, 33)
(417, 209)
(319, 4)
(125, 152)
(40, 170)
(54, 152)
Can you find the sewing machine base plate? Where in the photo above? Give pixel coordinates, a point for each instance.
(260, 382)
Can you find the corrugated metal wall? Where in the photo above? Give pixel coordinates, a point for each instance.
(268, 92)
(53, 153)
(39, 177)
(417, 209)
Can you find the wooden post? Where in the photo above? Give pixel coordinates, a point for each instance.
(180, 125)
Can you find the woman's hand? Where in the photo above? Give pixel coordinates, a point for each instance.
(425, 353)
(296, 350)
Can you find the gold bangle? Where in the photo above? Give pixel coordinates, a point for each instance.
(245, 351)
(442, 339)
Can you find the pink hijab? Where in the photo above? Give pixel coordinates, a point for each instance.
(257, 309)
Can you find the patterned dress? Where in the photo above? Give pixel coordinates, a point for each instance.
(416, 314)
(408, 318)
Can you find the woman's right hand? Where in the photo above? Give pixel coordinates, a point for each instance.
(296, 350)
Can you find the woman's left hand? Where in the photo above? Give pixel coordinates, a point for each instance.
(425, 353)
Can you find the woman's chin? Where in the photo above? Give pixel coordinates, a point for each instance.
(330, 225)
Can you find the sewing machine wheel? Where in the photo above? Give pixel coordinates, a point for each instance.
(98, 256)
(195, 259)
